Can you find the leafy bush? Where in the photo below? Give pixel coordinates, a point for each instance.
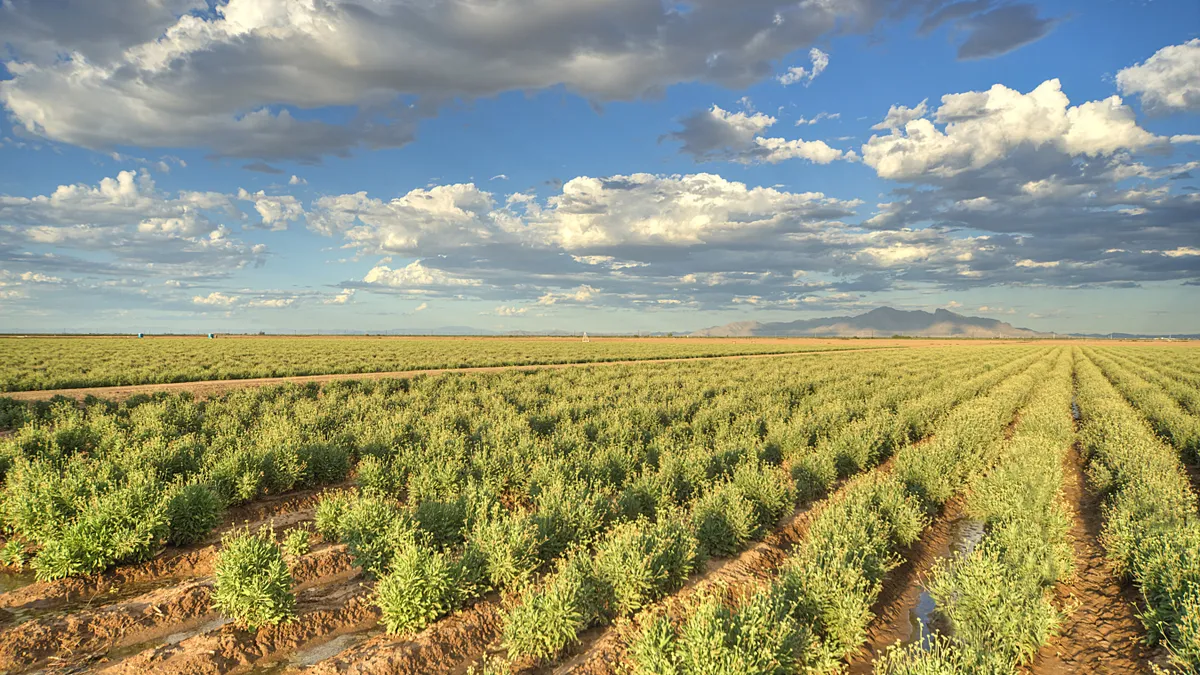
(508, 543)
(126, 524)
(324, 463)
(329, 512)
(443, 521)
(723, 521)
(640, 562)
(192, 511)
(547, 619)
(13, 554)
(373, 528)
(296, 543)
(253, 584)
(423, 584)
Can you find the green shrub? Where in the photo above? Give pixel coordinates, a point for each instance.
(13, 554)
(373, 528)
(329, 514)
(421, 585)
(546, 619)
(192, 511)
(443, 521)
(324, 463)
(640, 562)
(253, 584)
(125, 524)
(296, 543)
(770, 493)
(723, 521)
(377, 475)
(508, 542)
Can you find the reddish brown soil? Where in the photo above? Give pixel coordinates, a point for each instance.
(437, 649)
(147, 617)
(229, 648)
(216, 387)
(1101, 633)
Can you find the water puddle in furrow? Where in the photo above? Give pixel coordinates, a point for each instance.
(318, 651)
(11, 581)
(965, 534)
(1075, 411)
(200, 626)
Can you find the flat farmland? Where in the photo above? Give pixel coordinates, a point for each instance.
(45, 363)
(929, 507)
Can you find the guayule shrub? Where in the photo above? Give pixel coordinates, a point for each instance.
(508, 544)
(640, 562)
(723, 521)
(125, 524)
(443, 521)
(423, 584)
(329, 513)
(769, 491)
(192, 511)
(761, 637)
(324, 463)
(253, 584)
(548, 619)
(296, 543)
(418, 587)
(373, 528)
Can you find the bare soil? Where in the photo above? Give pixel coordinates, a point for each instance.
(1101, 633)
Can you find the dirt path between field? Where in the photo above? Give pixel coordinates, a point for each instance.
(210, 388)
(1101, 634)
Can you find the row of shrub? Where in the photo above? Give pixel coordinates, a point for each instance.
(995, 599)
(1177, 381)
(1179, 364)
(1174, 424)
(817, 611)
(1151, 527)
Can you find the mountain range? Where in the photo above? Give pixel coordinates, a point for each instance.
(880, 322)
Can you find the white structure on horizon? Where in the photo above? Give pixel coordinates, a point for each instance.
(585, 337)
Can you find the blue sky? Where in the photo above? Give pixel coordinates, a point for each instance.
(604, 165)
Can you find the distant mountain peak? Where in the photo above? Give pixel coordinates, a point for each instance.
(878, 322)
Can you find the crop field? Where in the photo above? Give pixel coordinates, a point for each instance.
(36, 363)
(968, 508)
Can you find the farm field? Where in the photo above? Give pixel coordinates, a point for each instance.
(39, 363)
(975, 508)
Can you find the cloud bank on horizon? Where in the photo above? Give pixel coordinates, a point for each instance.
(610, 164)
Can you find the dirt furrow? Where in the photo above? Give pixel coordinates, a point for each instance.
(1101, 634)
(88, 634)
(439, 648)
(322, 614)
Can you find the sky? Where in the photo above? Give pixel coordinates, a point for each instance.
(599, 165)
